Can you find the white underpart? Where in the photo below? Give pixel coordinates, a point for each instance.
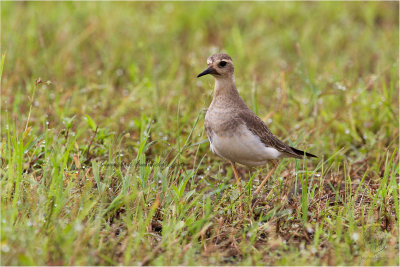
(243, 147)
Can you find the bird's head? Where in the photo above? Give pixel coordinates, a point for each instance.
(219, 66)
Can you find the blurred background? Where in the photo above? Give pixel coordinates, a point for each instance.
(115, 61)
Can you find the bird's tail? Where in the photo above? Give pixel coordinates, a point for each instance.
(302, 153)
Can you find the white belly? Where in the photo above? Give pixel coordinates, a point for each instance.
(243, 147)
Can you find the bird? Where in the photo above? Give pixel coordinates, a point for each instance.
(234, 132)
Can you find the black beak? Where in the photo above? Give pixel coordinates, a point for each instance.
(210, 70)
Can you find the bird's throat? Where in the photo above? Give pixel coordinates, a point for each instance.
(226, 95)
(225, 87)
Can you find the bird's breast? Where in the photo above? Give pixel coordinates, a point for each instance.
(231, 139)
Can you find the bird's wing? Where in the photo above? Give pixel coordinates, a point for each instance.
(258, 127)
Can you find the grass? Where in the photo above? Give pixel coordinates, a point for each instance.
(103, 159)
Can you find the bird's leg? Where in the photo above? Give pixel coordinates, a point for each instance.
(266, 178)
(239, 184)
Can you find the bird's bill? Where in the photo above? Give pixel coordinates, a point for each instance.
(209, 70)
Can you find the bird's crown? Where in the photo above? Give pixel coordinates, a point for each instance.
(218, 57)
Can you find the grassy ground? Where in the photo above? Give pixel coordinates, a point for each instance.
(102, 159)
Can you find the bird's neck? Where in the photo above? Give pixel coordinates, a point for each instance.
(225, 92)
(225, 86)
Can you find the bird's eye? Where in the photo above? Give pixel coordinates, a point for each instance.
(222, 64)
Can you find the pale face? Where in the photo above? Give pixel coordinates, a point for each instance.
(219, 66)
(223, 68)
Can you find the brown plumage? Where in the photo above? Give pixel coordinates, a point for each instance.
(258, 127)
(234, 131)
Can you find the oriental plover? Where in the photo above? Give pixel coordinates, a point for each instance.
(234, 131)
